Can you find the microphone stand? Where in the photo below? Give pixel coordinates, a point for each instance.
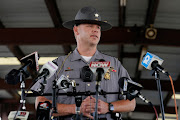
(41, 89)
(22, 100)
(99, 71)
(78, 101)
(157, 78)
(22, 86)
(54, 102)
(78, 98)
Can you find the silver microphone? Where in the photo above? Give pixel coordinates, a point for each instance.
(63, 83)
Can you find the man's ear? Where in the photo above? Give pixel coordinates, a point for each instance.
(75, 29)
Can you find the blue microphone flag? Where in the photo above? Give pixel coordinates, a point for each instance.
(149, 58)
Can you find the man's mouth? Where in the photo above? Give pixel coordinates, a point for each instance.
(94, 36)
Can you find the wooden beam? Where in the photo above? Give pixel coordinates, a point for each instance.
(14, 93)
(130, 55)
(122, 13)
(147, 108)
(1, 24)
(151, 12)
(33, 36)
(143, 52)
(29, 107)
(150, 84)
(121, 53)
(131, 119)
(67, 49)
(138, 65)
(54, 13)
(19, 54)
(57, 20)
(6, 86)
(16, 51)
(137, 71)
(165, 101)
(47, 36)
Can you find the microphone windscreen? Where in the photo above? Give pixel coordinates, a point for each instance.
(13, 77)
(55, 63)
(33, 59)
(51, 67)
(101, 60)
(62, 82)
(104, 64)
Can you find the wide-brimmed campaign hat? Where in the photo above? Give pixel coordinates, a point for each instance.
(87, 15)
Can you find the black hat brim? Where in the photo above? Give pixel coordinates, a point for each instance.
(104, 25)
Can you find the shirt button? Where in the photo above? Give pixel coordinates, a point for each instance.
(88, 84)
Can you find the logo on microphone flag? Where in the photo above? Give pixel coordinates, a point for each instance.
(99, 64)
(94, 65)
(146, 60)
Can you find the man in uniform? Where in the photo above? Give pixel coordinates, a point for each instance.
(87, 28)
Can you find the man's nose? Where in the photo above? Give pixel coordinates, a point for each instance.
(95, 29)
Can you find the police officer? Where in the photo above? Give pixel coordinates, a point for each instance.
(87, 28)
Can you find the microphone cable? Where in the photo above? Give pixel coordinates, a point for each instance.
(150, 103)
(155, 111)
(174, 96)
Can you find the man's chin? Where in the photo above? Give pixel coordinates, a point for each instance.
(94, 43)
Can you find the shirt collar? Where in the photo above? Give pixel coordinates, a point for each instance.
(76, 56)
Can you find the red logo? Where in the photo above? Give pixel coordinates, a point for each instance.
(22, 113)
(99, 64)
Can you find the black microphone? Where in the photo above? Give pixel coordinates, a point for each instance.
(155, 66)
(47, 70)
(99, 68)
(44, 73)
(130, 88)
(153, 62)
(43, 111)
(30, 62)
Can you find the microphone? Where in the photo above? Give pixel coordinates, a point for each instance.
(43, 111)
(133, 90)
(48, 70)
(99, 68)
(130, 88)
(63, 83)
(30, 62)
(44, 73)
(20, 115)
(153, 62)
(144, 99)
